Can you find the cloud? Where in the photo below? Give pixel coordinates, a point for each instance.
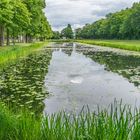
(79, 12)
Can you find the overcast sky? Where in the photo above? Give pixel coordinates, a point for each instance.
(79, 12)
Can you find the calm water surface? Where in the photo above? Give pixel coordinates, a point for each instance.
(75, 80)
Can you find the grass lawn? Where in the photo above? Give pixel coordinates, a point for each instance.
(7, 54)
(133, 45)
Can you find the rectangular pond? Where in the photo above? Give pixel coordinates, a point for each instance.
(80, 76)
(69, 76)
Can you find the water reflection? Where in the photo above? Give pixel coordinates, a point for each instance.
(75, 80)
(126, 65)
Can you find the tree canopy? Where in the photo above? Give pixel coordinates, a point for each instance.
(67, 32)
(24, 18)
(56, 35)
(124, 24)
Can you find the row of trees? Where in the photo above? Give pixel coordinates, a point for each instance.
(65, 33)
(120, 25)
(23, 20)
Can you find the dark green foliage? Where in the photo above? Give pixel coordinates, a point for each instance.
(119, 25)
(23, 19)
(56, 35)
(67, 32)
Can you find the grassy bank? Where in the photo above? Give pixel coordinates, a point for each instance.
(118, 123)
(131, 45)
(7, 54)
(61, 40)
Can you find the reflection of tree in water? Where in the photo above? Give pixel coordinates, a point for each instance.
(67, 51)
(126, 65)
(22, 83)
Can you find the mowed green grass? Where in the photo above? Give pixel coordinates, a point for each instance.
(132, 45)
(7, 54)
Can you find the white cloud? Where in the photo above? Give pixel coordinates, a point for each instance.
(79, 12)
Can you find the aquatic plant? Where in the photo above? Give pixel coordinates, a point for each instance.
(117, 122)
(22, 82)
(126, 65)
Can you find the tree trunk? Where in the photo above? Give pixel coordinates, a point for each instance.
(23, 39)
(19, 38)
(8, 38)
(26, 38)
(30, 39)
(13, 38)
(1, 35)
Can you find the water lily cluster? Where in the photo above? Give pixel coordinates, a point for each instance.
(22, 82)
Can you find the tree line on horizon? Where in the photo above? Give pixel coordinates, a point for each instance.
(67, 33)
(124, 24)
(23, 20)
